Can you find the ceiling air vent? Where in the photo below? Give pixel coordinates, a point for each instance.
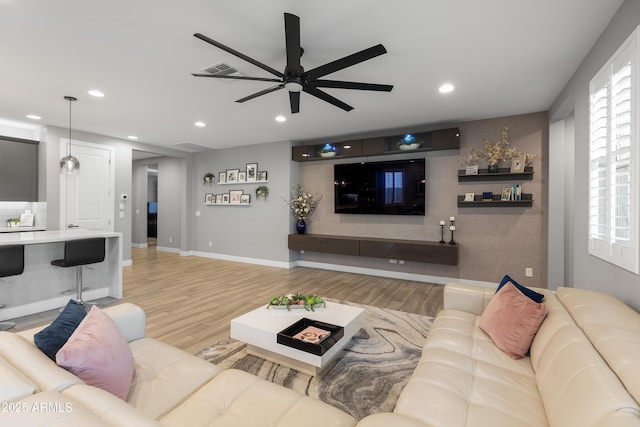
(221, 70)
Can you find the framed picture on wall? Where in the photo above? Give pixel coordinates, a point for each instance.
(242, 176)
(261, 176)
(222, 177)
(208, 198)
(234, 197)
(225, 198)
(232, 175)
(517, 164)
(245, 199)
(218, 199)
(252, 170)
(506, 194)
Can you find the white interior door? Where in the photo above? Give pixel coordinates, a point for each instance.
(86, 198)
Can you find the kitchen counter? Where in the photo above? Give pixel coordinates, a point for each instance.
(44, 287)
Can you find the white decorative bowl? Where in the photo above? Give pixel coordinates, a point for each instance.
(327, 154)
(406, 147)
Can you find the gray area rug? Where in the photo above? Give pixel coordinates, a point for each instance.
(367, 376)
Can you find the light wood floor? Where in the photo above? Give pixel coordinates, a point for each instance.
(189, 301)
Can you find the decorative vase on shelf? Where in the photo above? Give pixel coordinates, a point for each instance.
(493, 168)
(301, 226)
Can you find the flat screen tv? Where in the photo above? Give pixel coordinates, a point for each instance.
(380, 188)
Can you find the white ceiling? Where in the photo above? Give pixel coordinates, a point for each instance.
(504, 57)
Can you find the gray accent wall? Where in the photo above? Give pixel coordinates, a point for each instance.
(493, 241)
(257, 232)
(584, 270)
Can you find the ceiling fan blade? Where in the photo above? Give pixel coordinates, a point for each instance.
(345, 62)
(262, 92)
(326, 97)
(259, 79)
(338, 84)
(292, 39)
(238, 54)
(294, 99)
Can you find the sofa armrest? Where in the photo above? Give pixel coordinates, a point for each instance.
(386, 419)
(468, 298)
(130, 320)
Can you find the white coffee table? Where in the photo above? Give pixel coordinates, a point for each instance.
(259, 329)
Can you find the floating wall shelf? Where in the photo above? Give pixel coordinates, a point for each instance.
(503, 174)
(495, 202)
(408, 250)
(443, 139)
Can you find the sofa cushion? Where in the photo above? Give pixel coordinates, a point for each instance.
(512, 319)
(612, 327)
(165, 376)
(54, 336)
(463, 379)
(236, 398)
(530, 293)
(34, 364)
(107, 407)
(13, 384)
(98, 354)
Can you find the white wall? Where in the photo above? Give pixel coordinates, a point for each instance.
(584, 270)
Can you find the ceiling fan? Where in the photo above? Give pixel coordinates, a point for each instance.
(294, 78)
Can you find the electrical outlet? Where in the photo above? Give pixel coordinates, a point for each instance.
(400, 261)
(197, 213)
(170, 239)
(210, 243)
(528, 272)
(393, 261)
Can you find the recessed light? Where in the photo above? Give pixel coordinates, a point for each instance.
(200, 124)
(446, 88)
(133, 137)
(96, 93)
(281, 119)
(33, 117)
(346, 147)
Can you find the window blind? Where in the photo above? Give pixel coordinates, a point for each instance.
(613, 159)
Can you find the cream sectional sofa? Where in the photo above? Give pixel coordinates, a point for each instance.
(583, 368)
(170, 388)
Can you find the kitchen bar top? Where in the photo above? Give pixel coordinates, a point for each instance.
(49, 236)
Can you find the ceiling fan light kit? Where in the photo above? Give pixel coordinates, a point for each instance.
(294, 79)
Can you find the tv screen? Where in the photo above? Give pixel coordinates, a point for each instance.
(380, 188)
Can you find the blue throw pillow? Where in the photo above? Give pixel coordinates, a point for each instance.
(533, 295)
(53, 337)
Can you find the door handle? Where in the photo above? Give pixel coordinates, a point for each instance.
(72, 226)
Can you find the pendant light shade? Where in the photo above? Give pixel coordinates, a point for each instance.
(69, 164)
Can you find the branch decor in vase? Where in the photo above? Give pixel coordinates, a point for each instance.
(495, 153)
(302, 204)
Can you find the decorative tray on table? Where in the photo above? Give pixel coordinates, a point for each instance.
(297, 301)
(311, 336)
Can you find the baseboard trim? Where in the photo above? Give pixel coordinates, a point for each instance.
(167, 249)
(246, 260)
(389, 274)
(127, 263)
(139, 245)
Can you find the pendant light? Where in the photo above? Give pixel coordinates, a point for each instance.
(69, 164)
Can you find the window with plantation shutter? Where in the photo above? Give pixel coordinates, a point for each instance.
(614, 181)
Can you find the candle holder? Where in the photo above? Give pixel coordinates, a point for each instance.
(442, 242)
(452, 228)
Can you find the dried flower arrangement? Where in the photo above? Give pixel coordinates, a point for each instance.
(495, 153)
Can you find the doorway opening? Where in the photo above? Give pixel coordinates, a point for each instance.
(152, 205)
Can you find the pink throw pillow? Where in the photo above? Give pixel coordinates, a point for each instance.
(512, 319)
(98, 354)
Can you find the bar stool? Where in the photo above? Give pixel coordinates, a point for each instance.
(78, 253)
(11, 264)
